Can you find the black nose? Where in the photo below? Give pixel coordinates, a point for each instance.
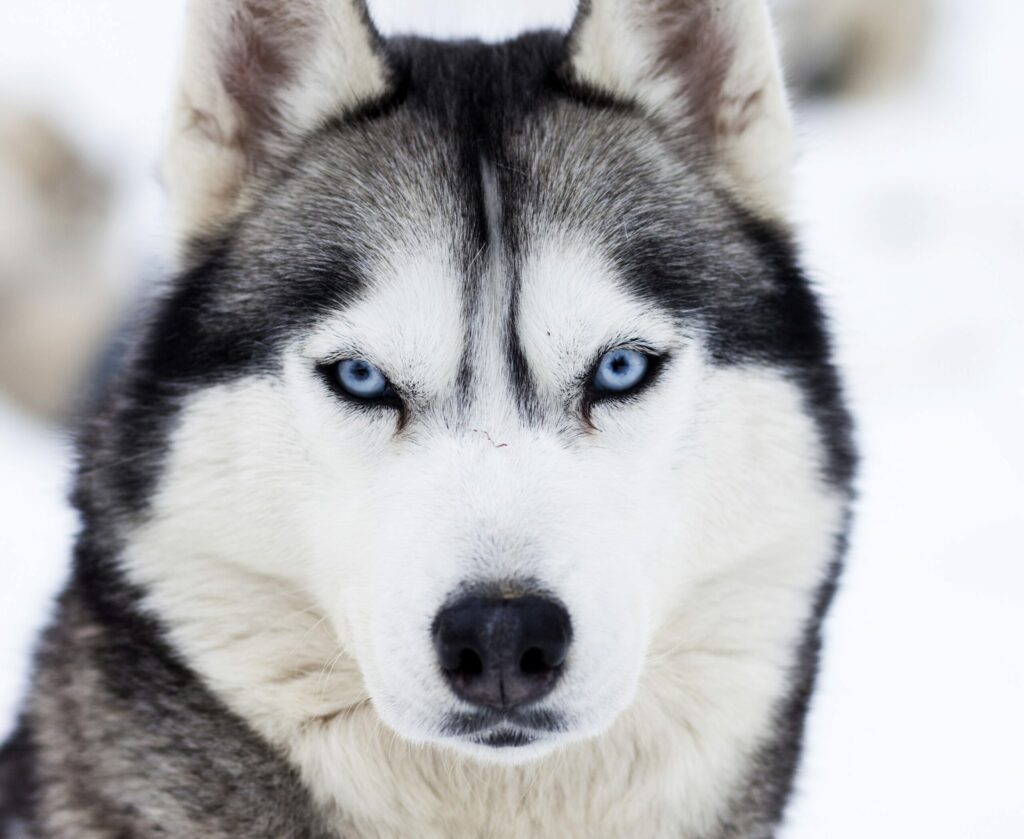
(502, 652)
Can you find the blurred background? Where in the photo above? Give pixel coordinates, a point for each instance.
(911, 206)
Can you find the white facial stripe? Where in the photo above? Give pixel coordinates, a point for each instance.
(572, 306)
(409, 322)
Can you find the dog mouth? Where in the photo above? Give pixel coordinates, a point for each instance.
(505, 738)
(504, 729)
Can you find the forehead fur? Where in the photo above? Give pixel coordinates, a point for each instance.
(408, 175)
(411, 174)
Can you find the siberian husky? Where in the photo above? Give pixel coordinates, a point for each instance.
(482, 473)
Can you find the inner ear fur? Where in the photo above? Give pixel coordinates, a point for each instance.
(257, 76)
(709, 71)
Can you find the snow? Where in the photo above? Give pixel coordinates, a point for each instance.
(913, 218)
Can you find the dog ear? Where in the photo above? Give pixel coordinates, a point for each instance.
(257, 77)
(709, 71)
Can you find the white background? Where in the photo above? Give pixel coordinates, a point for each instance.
(913, 217)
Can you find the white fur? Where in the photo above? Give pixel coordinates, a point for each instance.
(617, 49)
(299, 551)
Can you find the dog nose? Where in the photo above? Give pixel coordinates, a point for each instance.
(502, 652)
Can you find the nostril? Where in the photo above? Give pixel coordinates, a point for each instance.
(534, 662)
(470, 663)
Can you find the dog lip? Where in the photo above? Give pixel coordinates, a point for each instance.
(535, 721)
(505, 737)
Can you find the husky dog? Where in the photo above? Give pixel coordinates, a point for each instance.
(483, 473)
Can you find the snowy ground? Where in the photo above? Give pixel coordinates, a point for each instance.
(913, 211)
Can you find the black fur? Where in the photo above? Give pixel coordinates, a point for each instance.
(17, 778)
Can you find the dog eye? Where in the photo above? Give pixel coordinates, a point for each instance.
(620, 371)
(362, 380)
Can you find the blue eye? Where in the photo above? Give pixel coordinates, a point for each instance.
(361, 379)
(620, 371)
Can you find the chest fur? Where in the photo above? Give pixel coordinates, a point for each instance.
(650, 776)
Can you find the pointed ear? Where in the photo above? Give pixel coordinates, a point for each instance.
(257, 77)
(707, 69)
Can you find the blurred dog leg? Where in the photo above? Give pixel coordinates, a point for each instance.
(852, 46)
(60, 296)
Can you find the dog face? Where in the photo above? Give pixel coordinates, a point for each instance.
(485, 386)
(505, 462)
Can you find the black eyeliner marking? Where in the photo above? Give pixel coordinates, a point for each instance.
(592, 396)
(389, 400)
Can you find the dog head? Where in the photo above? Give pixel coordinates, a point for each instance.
(489, 373)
